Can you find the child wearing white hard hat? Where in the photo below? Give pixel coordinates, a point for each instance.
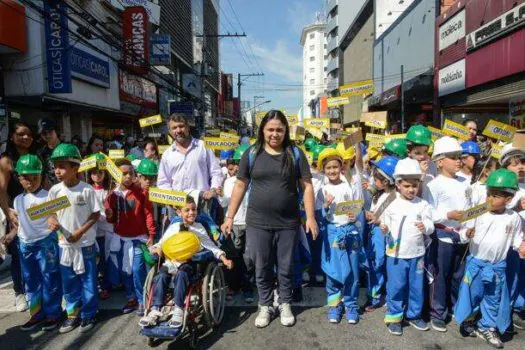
(407, 221)
(449, 195)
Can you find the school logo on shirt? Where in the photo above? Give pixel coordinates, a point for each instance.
(468, 194)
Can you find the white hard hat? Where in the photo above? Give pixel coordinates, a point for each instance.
(407, 168)
(445, 145)
(508, 151)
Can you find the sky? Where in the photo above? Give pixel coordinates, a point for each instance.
(272, 47)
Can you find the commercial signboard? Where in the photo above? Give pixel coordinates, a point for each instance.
(57, 43)
(90, 68)
(135, 54)
(160, 54)
(137, 90)
(452, 30)
(452, 78)
(360, 88)
(151, 8)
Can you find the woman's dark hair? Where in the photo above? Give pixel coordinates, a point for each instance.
(92, 140)
(287, 144)
(149, 140)
(10, 148)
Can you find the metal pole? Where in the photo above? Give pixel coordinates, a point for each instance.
(239, 87)
(402, 100)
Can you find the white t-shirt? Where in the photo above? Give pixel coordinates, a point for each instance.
(405, 241)
(461, 174)
(380, 201)
(199, 230)
(517, 197)
(102, 225)
(342, 192)
(446, 194)
(479, 193)
(240, 217)
(30, 231)
(83, 203)
(494, 235)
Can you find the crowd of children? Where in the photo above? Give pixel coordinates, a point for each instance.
(403, 226)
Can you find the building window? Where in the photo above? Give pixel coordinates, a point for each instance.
(312, 47)
(312, 81)
(312, 92)
(325, 57)
(325, 46)
(325, 80)
(312, 70)
(312, 58)
(312, 35)
(325, 69)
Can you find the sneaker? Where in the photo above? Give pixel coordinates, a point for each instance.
(286, 315)
(21, 303)
(518, 319)
(87, 324)
(150, 319)
(374, 305)
(297, 295)
(103, 294)
(438, 325)
(264, 317)
(419, 324)
(491, 337)
(177, 318)
(319, 278)
(248, 296)
(395, 328)
(50, 324)
(306, 277)
(130, 306)
(230, 294)
(31, 324)
(69, 324)
(352, 317)
(140, 311)
(335, 313)
(468, 329)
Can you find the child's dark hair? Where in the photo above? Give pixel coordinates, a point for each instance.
(107, 179)
(481, 164)
(230, 161)
(123, 161)
(388, 186)
(190, 200)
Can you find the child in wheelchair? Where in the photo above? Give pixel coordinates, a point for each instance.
(178, 244)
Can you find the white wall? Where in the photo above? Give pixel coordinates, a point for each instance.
(382, 9)
(347, 12)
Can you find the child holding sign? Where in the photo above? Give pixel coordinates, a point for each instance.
(406, 222)
(484, 286)
(78, 266)
(38, 249)
(130, 210)
(341, 240)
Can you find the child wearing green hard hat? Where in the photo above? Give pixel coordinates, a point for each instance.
(148, 170)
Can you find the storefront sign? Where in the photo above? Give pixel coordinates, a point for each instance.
(452, 30)
(149, 121)
(57, 43)
(151, 8)
(391, 95)
(160, 50)
(455, 129)
(499, 131)
(185, 108)
(317, 123)
(337, 101)
(135, 54)
(167, 197)
(137, 90)
(217, 143)
(48, 208)
(375, 119)
(90, 68)
(496, 28)
(452, 78)
(360, 88)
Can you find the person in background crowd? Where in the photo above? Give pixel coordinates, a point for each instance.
(472, 127)
(48, 131)
(150, 149)
(138, 150)
(20, 142)
(95, 144)
(77, 141)
(129, 143)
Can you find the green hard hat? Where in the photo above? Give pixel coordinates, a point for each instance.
(332, 146)
(148, 167)
(309, 143)
(419, 135)
(67, 152)
(397, 147)
(316, 150)
(131, 157)
(239, 151)
(29, 164)
(503, 179)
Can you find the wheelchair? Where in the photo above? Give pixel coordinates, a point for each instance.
(205, 301)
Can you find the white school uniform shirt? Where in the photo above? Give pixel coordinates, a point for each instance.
(494, 235)
(342, 192)
(401, 217)
(380, 201)
(517, 197)
(446, 194)
(83, 203)
(102, 225)
(317, 183)
(224, 201)
(468, 178)
(30, 231)
(479, 193)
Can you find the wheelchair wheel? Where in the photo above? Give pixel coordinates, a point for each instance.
(213, 295)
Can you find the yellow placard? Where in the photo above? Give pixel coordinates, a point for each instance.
(217, 143)
(162, 148)
(114, 171)
(499, 131)
(259, 117)
(316, 132)
(48, 208)
(436, 133)
(455, 129)
(388, 138)
(337, 101)
(148, 121)
(293, 119)
(317, 123)
(117, 153)
(213, 132)
(474, 212)
(233, 132)
(375, 119)
(88, 164)
(360, 88)
(168, 197)
(496, 151)
(228, 136)
(374, 139)
(345, 208)
(102, 164)
(253, 141)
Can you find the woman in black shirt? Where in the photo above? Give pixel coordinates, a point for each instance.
(277, 173)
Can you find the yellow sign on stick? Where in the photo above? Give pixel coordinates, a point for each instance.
(293, 119)
(259, 117)
(149, 121)
(217, 143)
(474, 212)
(114, 171)
(495, 151)
(455, 129)
(436, 133)
(499, 131)
(117, 153)
(349, 207)
(375, 119)
(374, 139)
(233, 132)
(316, 132)
(48, 208)
(88, 164)
(317, 123)
(228, 136)
(168, 197)
(394, 136)
(162, 148)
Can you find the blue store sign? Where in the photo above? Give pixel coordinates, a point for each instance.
(57, 42)
(87, 67)
(160, 53)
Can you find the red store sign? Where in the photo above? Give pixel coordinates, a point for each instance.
(135, 55)
(137, 90)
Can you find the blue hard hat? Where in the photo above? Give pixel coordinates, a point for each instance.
(226, 154)
(386, 167)
(364, 149)
(470, 147)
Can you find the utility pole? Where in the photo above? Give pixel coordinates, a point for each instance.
(402, 99)
(239, 82)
